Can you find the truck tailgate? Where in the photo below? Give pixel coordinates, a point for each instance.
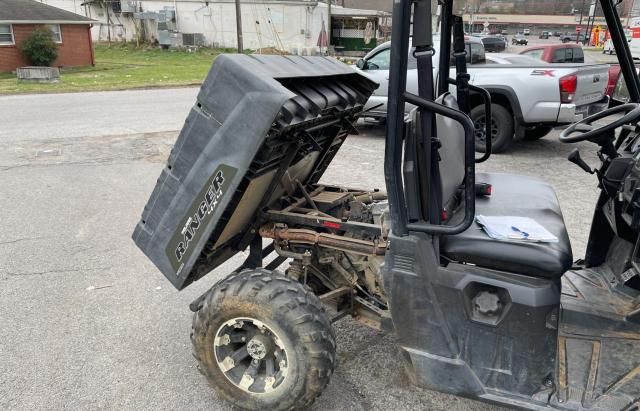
(592, 83)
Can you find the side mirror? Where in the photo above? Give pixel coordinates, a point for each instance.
(361, 64)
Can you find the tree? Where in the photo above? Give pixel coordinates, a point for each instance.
(39, 48)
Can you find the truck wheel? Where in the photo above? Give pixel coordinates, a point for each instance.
(263, 341)
(501, 128)
(536, 133)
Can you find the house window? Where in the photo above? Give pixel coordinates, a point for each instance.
(57, 33)
(6, 34)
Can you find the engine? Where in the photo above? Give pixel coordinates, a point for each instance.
(329, 258)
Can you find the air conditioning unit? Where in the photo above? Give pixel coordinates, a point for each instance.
(164, 38)
(193, 39)
(175, 39)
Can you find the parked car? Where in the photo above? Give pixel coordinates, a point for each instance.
(572, 37)
(615, 78)
(556, 53)
(557, 34)
(528, 100)
(634, 46)
(544, 35)
(608, 48)
(504, 32)
(519, 40)
(494, 43)
(526, 32)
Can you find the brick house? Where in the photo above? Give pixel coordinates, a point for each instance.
(71, 31)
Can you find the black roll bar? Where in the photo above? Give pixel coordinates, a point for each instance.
(446, 28)
(395, 115)
(397, 97)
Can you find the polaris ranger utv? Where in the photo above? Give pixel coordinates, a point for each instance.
(518, 323)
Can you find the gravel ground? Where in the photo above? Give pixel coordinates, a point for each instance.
(86, 321)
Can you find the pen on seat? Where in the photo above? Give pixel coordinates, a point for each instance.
(517, 230)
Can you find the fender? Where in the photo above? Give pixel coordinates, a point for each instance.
(510, 95)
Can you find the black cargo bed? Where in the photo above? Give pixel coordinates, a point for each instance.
(260, 123)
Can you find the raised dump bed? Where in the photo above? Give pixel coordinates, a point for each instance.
(261, 125)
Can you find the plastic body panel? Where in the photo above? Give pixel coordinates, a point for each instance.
(249, 113)
(445, 348)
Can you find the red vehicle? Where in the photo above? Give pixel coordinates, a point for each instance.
(556, 53)
(569, 53)
(614, 75)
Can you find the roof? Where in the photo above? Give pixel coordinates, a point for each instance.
(347, 12)
(30, 11)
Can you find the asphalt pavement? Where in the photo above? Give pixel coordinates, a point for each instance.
(54, 116)
(87, 322)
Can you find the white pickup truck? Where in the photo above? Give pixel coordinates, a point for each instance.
(527, 100)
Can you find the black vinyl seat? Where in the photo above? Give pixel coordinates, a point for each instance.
(522, 196)
(512, 195)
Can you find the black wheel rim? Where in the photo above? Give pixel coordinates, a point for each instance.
(480, 130)
(251, 355)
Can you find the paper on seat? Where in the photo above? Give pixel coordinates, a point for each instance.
(515, 228)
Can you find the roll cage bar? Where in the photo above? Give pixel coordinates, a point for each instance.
(428, 200)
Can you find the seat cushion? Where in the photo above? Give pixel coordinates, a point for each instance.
(522, 196)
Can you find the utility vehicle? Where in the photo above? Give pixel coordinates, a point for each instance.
(528, 99)
(518, 323)
(494, 43)
(573, 38)
(519, 40)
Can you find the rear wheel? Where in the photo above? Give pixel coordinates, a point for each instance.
(536, 133)
(501, 128)
(264, 341)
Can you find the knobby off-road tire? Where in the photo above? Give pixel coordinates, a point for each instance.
(265, 302)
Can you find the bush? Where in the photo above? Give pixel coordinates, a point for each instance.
(39, 48)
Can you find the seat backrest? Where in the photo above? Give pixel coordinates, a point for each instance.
(451, 135)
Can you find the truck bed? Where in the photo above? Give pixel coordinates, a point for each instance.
(259, 124)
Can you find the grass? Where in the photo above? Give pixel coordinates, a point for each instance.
(124, 66)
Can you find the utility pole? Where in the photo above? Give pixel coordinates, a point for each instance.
(106, 7)
(580, 23)
(590, 23)
(329, 25)
(239, 26)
